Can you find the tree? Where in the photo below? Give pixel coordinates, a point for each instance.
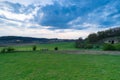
(92, 38)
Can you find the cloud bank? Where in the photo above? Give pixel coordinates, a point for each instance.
(66, 19)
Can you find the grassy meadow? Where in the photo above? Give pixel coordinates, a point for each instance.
(26, 64)
(40, 65)
(51, 46)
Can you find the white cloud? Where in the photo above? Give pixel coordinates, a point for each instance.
(14, 16)
(16, 28)
(23, 29)
(28, 2)
(75, 21)
(24, 2)
(6, 7)
(18, 16)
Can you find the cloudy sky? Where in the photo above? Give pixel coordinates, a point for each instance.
(66, 19)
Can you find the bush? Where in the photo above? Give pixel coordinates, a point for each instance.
(3, 50)
(85, 46)
(56, 48)
(10, 49)
(34, 48)
(80, 45)
(88, 46)
(109, 47)
(97, 46)
(117, 46)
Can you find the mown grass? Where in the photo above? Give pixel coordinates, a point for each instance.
(52, 65)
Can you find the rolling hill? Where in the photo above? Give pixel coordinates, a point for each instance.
(10, 40)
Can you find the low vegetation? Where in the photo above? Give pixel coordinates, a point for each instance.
(34, 48)
(117, 47)
(42, 62)
(51, 46)
(39, 65)
(39, 47)
(111, 47)
(7, 50)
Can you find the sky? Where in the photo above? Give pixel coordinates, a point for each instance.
(64, 19)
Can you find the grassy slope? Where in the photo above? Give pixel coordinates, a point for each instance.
(50, 66)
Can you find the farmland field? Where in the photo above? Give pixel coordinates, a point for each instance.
(53, 65)
(60, 45)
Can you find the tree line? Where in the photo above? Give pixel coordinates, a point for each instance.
(94, 38)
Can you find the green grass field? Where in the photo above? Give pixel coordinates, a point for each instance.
(51, 65)
(61, 46)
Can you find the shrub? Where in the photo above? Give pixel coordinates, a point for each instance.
(88, 46)
(109, 47)
(85, 46)
(56, 48)
(117, 46)
(34, 48)
(3, 50)
(10, 49)
(80, 45)
(96, 46)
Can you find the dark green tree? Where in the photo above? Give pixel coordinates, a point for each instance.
(92, 38)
